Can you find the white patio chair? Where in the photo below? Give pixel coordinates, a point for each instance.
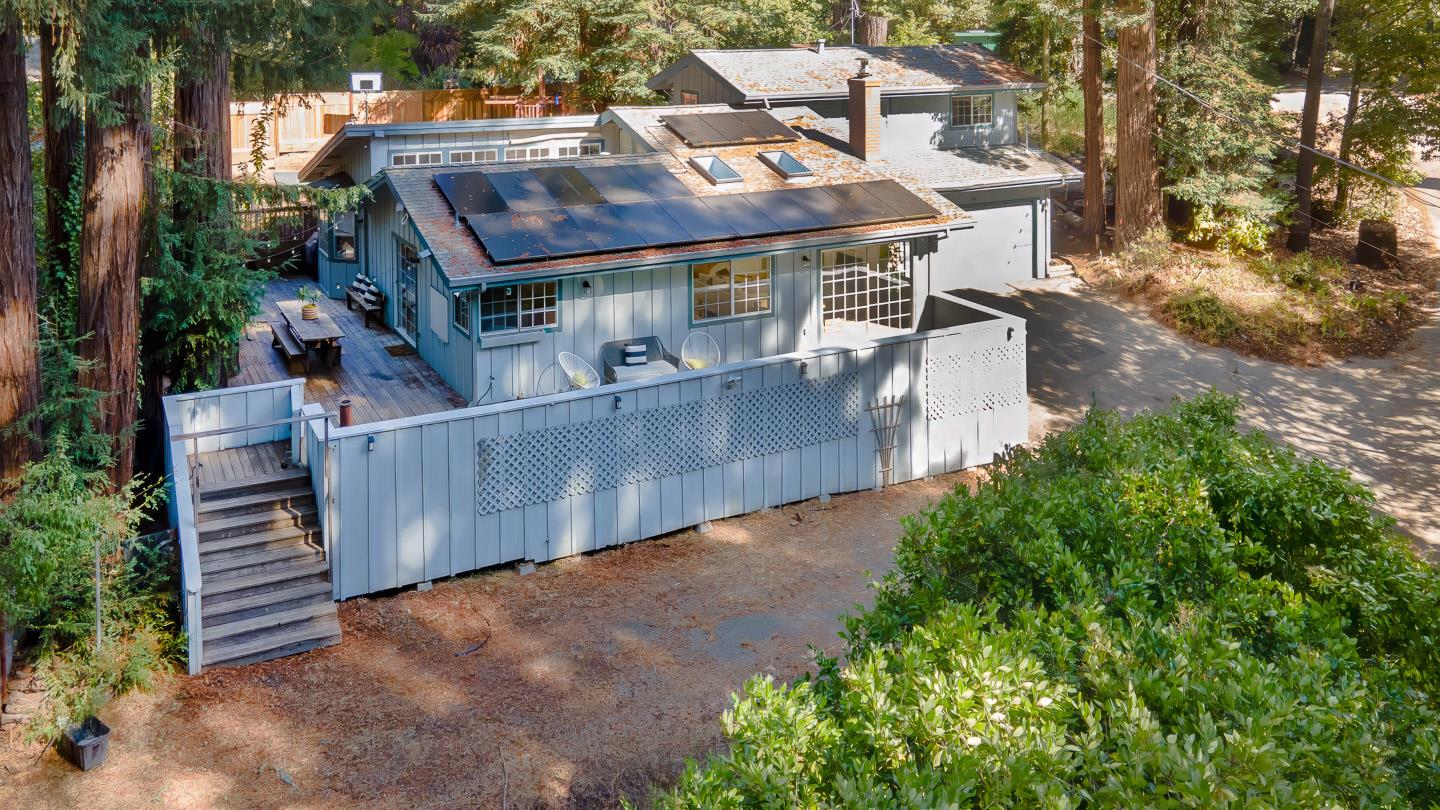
(699, 351)
(580, 373)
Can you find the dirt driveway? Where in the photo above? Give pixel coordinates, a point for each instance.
(586, 680)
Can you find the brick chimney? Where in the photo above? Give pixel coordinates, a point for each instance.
(864, 112)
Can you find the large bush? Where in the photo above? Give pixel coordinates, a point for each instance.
(1156, 612)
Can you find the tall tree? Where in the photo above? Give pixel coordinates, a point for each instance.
(1309, 124)
(1094, 125)
(63, 129)
(202, 102)
(1137, 179)
(19, 328)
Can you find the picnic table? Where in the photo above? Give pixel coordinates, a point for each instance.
(320, 335)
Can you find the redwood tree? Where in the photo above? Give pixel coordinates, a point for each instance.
(202, 104)
(19, 328)
(62, 146)
(108, 314)
(1094, 126)
(1309, 124)
(1137, 179)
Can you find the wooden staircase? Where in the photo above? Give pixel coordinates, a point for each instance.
(265, 589)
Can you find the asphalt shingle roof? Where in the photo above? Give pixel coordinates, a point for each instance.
(812, 73)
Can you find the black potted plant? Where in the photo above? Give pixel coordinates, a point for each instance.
(84, 740)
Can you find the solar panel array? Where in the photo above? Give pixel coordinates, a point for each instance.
(703, 130)
(553, 212)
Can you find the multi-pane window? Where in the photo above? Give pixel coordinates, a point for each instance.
(730, 289)
(869, 286)
(516, 307)
(473, 155)
(527, 153)
(689, 97)
(343, 247)
(416, 159)
(581, 150)
(409, 266)
(972, 111)
(462, 312)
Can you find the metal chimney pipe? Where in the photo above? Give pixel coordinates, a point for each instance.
(345, 416)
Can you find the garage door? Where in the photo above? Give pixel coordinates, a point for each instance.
(1000, 248)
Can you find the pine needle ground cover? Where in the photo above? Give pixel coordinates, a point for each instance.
(1157, 612)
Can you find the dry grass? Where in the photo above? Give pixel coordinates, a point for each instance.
(1304, 309)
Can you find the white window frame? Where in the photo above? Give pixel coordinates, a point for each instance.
(422, 158)
(870, 285)
(536, 306)
(476, 155)
(761, 288)
(971, 117)
(519, 153)
(582, 149)
(460, 312)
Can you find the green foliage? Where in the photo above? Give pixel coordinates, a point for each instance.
(1304, 272)
(1163, 611)
(1233, 231)
(1201, 312)
(387, 52)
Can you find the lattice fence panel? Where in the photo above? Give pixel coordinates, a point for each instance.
(562, 461)
(974, 381)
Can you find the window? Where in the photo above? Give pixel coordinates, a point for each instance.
(519, 306)
(730, 289)
(343, 247)
(714, 169)
(473, 155)
(689, 97)
(409, 265)
(971, 111)
(462, 312)
(416, 159)
(865, 286)
(527, 153)
(582, 150)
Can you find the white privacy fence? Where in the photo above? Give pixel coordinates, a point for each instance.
(417, 499)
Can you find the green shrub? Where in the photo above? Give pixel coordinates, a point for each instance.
(1156, 612)
(1303, 272)
(1202, 313)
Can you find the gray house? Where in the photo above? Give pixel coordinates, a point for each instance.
(941, 114)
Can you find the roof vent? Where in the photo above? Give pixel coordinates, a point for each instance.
(714, 169)
(784, 164)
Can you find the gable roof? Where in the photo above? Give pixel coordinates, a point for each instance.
(790, 73)
(464, 261)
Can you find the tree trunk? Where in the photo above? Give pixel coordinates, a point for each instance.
(202, 107)
(872, 29)
(1045, 90)
(19, 324)
(1094, 130)
(109, 290)
(62, 152)
(1342, 174)
(1137, 180)
(1309, 124)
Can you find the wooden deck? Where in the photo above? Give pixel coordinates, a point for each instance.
(239, 463)
(379, 384)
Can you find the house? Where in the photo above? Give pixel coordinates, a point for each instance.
(713, 312)
(945, 115)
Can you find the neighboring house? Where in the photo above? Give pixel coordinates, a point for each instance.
(944, 115)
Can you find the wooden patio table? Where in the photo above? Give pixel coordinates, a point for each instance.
(321, 335)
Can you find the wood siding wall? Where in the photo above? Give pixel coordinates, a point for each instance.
(407, 493)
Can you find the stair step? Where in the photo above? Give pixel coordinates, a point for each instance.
(256, 522)
(282, 479)
(255, 601)
(235, 564)
(285, 535)
(319, 632)
(216, 633)
(222, 585)
(226, 504)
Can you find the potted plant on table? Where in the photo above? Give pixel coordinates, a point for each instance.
(309, 302)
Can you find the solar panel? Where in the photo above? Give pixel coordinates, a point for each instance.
(697, 219)
(469, 193)
(866, 206)
(557, 233)
(615, 184)
(505, 239)
(738, 213)
(522, 191)
(788, 214)
(653, 224)
(829, 211)
(568, 186)
(657, 181)
(729, 128)
(900, 199)
(603, 225)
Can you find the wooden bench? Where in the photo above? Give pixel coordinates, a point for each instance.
(297, 357)
(375, 310)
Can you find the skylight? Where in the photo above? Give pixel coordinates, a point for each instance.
(785, 164)
(714, 169)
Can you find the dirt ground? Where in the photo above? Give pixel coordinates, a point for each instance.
(583, 682)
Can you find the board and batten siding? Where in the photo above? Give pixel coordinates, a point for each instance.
(410, 495)
(695, 78)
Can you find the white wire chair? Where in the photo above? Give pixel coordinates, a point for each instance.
(580, 373)
(699, 351)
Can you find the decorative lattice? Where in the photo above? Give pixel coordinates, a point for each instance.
(629, 448)
(970, 382)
